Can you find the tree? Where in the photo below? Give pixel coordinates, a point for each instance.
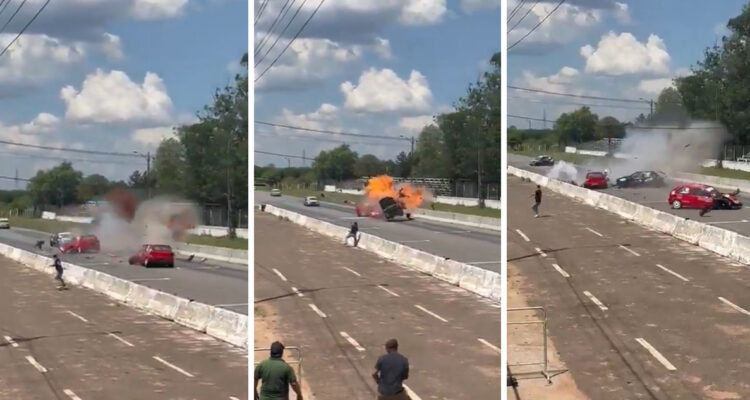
(57, 186)
(403, 165)
(576, 127)
(430, 155)
(668, 108)
(169, 167)
(609, 127)
(92, 186)
(368, 165)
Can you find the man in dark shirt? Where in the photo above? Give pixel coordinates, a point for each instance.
(59, 269)
(352, 234)
(537, 201)
(275, 376)
(391, 370)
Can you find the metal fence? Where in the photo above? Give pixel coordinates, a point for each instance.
(297, 361)
(544, 362)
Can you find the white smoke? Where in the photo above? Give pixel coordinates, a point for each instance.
(563, 171)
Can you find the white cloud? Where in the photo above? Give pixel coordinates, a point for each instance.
(564, 25)
(654, 86)
(111, 46)
(422, 12)
(30, 132)
(158, 9)
(113, 97)
(623, 54)
(562, 81)
(325, 117)
(382, 47)
(152, 137)
(415, 124)
(622, 13)
(36, 58)
(383, 91)
(471, 6)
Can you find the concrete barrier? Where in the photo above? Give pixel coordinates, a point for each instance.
(474, 279)
(229, 326)
(233, 256)
(475, 221)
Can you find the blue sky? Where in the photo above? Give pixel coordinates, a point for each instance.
(636, 48)
(405, 61)
(112, 75)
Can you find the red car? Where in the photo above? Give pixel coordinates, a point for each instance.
(153, 255)
(368, 210)
(596, 180)
(702, 196)
(81, 244)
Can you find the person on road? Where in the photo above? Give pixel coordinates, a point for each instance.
(59, 269)
(352, 234)
(391, 370)
(537, 201)
(275, 376)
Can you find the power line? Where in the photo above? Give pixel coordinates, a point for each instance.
(579, 96)
(577, 103)
(318, 139)
(537, 25)
(25, 27)
(37, 156)
(104, 153)
(12, 16)
(515, 10)
(628, 126)
(524, 16)
(299, 128)
(4, 6)
(281, 155)
(260, 10)
(279, 16)
(280, 35)
(10, 178)
(290, 42)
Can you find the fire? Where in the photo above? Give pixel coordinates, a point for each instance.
(382, 186)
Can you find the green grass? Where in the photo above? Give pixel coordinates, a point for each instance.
(332, 197)
(725, 173)
(54, 226)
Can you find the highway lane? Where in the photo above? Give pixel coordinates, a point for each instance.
(340, 304)
(209, 282)
(476, 246)
(633, 313)
(733, 220)
(79, 344)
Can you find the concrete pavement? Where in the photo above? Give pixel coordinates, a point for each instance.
(77, 344)
(341, 304)
(633, 313)
(213, 283)
(461, 243)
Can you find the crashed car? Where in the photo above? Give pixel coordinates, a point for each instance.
(641, 179)
(703, 196)
(392, 208)
(81, 244)
(368, 210)
(151, 255)
(542, 161)
(596, 180)
(59, 239)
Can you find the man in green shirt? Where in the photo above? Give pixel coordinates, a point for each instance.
(275, 376)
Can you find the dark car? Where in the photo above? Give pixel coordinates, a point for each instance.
(153, 255)
(542, 161)
(702, 196)
(392, 208)
(641, 179)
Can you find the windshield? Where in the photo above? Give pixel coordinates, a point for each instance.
(161, 248)
(596, 175)
(311, 198)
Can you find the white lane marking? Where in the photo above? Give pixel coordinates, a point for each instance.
(11, 341)
(353, 217)
(317, 310)
(370, 228)
(388, 290)
(352, 271)
(71, 394)
(411, 393)
(283, 278)
(561, 271)
(484, 262)
(77, 316)
(295, 290)
(523, 235)
(430, 312)
(233, 398)
(728, 222)
(490, 345)
(656, 354)
(231, 305)
(36, 365)
(630, 251)
(122, 340)
(352, 341)
(174, 367)
(415, 241)
(595, 300)
(735, 306)
(457, 232)
(149, 279)
(541, 253)
(672, 272)
(594, 232)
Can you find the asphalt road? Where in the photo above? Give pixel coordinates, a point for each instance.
(635, 314)
(340, 304)
(733, 220)
(212, 283)
(79, 345)
(475, 246)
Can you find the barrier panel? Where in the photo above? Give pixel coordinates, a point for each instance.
(544, 362)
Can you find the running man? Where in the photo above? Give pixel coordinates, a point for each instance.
(352, 234)
(275, 376)
(391, 370)
(59, 268)
(537, 200)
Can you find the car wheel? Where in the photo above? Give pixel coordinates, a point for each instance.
(676, 204)
(145, 263)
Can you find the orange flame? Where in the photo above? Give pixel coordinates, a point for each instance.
(382, 186)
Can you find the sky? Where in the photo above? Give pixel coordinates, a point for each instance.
(109, 75)
(622, 49)
(375, 67)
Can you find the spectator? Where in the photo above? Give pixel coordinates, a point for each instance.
(353, 234)
(537, 200)
(275, 376)
(391, 370)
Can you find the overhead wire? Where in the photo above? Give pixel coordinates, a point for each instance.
(268, 33)
(280, 35)
(72, 150)
(12, 16)
(25, 27)
(537, 25)
(299, 128)
(632, 126)
(515, 10)
(579, 96)
(3, 5)
(262, 8)
(524, 16)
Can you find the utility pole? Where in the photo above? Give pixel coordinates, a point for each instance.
(544, 117)
(652, 108)
(230, 225)
(412, 146)
(304, 162)
(148, 174)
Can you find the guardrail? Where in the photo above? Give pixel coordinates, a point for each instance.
(298, 361)
(544, 362)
